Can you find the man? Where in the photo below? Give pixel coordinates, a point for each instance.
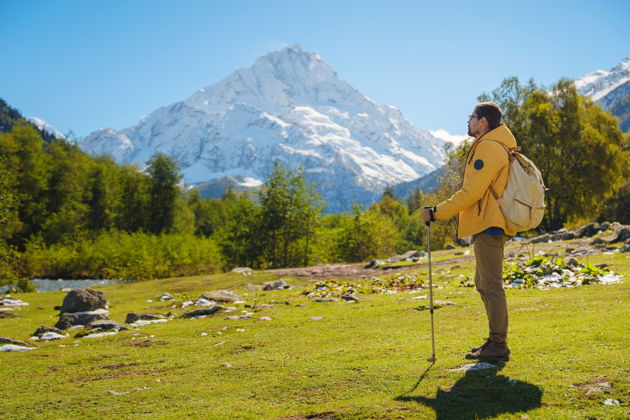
(486, 168)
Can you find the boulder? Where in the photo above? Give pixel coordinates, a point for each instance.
(587, 231)
(623, 234)
(131, 317)
(203, 312)
(243, 270)
(276, 285)
(106, 325)
(221, 296)
(41, 330)
(466, 241)
(450, 246)
(5, 340)
(80, 300)
(67, 320)
(625, 248)
(350, 298)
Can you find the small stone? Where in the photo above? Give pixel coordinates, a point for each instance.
(611, 401)
(264, 318)
(226, 365)
(316, 318)
(221, 296)
(276, 285)
(242, 270)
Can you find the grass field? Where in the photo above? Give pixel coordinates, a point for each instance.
(359, 360)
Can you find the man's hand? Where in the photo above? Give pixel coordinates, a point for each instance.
(428, 214)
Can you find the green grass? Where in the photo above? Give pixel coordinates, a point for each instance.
(362, 360)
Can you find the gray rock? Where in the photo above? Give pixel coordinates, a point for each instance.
(562, 236)
(456, 267)
(374, 264)
(583, 251)
(221, 296)
(587, 231)
(350, 298)
(106, 325)
(450, 246)
(5, 340)
(80, 300)
(68, 320)
(131, 317)
(571, 261)
(276, 285)
(408, 256)
(242, 270)
(625, 248)
(540, 239)
(600, 247)
(203, 312)
(41, 330)
(623, 234)
(466, 241)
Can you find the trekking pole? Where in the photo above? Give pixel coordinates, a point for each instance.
(432, 359)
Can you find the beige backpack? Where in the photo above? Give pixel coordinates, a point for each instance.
(523, 200)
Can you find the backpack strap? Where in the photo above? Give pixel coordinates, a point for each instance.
(511, 158)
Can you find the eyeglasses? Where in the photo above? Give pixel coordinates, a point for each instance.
(470, 117)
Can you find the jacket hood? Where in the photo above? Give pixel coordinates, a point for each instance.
(502, 134)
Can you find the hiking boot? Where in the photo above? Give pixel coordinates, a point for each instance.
(483, 346)
(492, 352)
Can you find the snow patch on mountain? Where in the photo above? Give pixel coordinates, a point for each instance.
(600, 83)
(44, 126)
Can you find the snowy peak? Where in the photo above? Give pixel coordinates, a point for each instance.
(600, 83)
(290, 106)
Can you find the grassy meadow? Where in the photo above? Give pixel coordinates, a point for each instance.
(328, 360)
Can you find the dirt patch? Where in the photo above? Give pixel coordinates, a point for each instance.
(145, 343)
(120, 365)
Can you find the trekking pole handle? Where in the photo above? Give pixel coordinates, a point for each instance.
(431, 215)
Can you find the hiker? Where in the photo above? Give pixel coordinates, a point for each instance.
(487, 165)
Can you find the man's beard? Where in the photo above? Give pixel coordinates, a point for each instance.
(469, 132)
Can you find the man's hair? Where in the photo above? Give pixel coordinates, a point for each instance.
(491, 111)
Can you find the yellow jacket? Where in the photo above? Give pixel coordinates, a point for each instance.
(487, 164)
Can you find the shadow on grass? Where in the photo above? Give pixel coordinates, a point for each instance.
(480, 394)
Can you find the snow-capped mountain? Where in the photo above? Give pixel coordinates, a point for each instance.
(289, 105)
(44, 126)
(610, 89)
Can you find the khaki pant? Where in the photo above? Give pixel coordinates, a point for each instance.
(489, 282)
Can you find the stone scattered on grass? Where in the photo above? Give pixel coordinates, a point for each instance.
(165, 297)
(276, 285)
(6, 340)
(8, 301)
(437, 304)
(203, 312)
(106, 325)
(112, 392)
(227, 365)
(611, 401)
(67, 320)
(220, 296)
(100, 334)
(141, 322)
(41, 330)
(49, 336)
(474, 366)
(316, 318)
(82, 300)
(14, 347)
(374, 264)
(246, 271)
(132, 317)
(264, 318)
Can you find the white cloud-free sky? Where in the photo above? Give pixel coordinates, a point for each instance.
(83, 65)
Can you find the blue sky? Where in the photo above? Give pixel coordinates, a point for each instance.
(84, 65)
